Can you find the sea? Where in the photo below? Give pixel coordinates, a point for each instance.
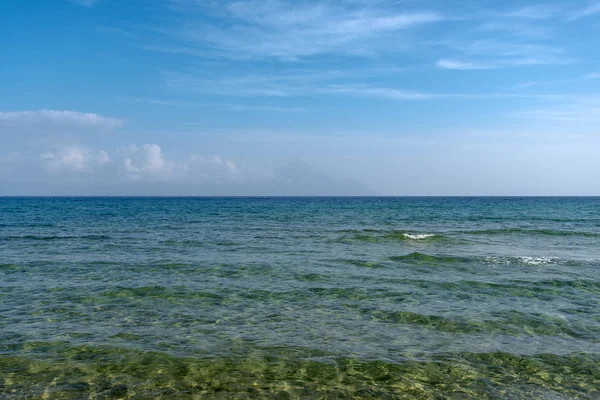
(300, 298)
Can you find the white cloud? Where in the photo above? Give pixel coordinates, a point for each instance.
(73, 160)
(132, 163)
(148, 163)
(202, 169)
(53, 117)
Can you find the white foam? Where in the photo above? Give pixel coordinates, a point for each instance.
(522, 260)
(537, 260)
(419, 236)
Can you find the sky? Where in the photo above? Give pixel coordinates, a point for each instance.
(282, 97)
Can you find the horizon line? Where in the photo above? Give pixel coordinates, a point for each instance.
(286, 196)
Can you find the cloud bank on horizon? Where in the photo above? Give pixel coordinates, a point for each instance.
(193, 97)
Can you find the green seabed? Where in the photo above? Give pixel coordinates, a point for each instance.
(57, 371)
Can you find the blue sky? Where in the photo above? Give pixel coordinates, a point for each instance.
(406, 97)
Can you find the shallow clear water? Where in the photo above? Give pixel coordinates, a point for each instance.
(300, 298)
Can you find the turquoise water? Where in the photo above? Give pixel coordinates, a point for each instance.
(292, 298)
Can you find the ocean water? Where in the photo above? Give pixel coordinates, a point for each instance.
(300, 298)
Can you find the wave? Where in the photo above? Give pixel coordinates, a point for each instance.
(517, 288)
(375, 236)
(95, 237)
(183, 243)
(528, 218)
(48, 238)
(57, 237)
(525, 260)
(363, 263)
(311, 277)
(422, 258)
(580, 284)
(34, 237)
(419, 236)
(545, 232)
(32, 225)
(169, 293)
(510, 322)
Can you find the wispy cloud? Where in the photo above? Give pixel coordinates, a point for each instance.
(231, 86)
(160, 102)
(577, 114)
(591, 9)
(398, 94)
(265, 108)
(244, 31)
(59, 117)
(283, 83)
(582, 78)
(517, 29)
(288, 29)
(275, 88)
(496, 53)
(279, 86)
(460, 65)
(538, 11)
(383, 92)
(491, 64)
(515, 49)
(85, 3)
(230, 107)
